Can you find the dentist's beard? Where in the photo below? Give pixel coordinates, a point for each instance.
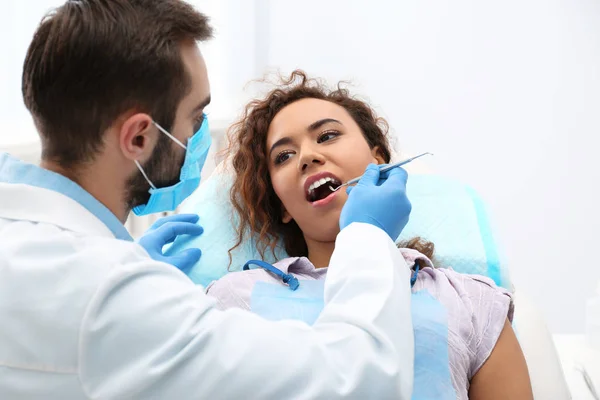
(163, 169)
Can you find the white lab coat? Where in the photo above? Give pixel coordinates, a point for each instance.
(86, 316)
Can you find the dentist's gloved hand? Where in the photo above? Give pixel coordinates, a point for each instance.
(379, 199)
(165, 231)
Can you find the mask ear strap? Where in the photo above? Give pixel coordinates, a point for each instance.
(137, 164)
(173, 138)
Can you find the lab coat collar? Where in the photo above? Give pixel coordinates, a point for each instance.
(54, 199)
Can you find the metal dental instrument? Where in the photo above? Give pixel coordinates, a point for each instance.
(382, 169)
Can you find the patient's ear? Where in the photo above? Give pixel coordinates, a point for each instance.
(378, 155)
(286, 217)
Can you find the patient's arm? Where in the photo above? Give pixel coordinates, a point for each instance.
(504, 375)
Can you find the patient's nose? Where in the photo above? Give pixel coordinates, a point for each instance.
(310, 158)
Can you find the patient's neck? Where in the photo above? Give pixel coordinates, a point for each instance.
(319, 253)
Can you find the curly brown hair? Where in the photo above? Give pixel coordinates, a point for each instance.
(252, 194)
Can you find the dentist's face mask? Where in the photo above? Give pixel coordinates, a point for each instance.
(170, 197)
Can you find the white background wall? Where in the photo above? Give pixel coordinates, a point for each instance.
(506, 94)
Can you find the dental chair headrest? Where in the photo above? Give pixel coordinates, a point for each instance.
(445, 212)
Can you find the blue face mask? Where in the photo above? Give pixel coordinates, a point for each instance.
(170, 197)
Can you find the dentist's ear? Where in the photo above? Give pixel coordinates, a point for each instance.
(137, 137)
(377, 155)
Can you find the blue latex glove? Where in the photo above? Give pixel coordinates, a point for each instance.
(165, 231)
(378, 199)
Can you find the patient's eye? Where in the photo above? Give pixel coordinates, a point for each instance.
(327, 135)
(282, 157)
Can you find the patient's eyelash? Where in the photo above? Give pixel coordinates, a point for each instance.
(280, 157)
(323, 137)
(331, 133)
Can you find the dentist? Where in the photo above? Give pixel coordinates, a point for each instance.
(117, 91)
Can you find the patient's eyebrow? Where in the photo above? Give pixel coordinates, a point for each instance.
(312, 127)
(280, 142)
(317, 124)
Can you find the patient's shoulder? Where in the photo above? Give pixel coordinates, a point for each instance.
(471, 292)
(447, 282)
(475, 307)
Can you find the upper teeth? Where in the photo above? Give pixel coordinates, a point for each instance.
(320, 182)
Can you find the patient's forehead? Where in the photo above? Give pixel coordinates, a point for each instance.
(295, 118)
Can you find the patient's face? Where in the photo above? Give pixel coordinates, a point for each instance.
(313, 144)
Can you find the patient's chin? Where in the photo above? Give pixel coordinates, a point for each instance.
(323, 229)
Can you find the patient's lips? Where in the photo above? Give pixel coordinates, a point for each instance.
(317, 187)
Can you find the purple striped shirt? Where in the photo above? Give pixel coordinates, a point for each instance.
(476, 309)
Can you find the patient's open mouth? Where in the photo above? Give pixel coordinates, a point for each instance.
(319, 189)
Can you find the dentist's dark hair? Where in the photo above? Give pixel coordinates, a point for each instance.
(257, 206)
(91, 61)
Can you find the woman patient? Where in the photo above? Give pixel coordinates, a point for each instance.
(288, 150)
